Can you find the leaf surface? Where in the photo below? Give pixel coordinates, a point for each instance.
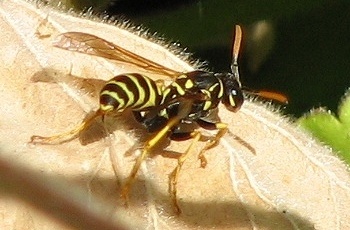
(288, 182)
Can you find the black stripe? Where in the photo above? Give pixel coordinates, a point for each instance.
(132, 89)
(108, 100)
(136, 85)
(143, 88)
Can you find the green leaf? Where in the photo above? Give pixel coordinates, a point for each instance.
(330, 129)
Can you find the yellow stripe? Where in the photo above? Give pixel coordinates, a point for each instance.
(212, 88)
(163, 113)
(189, 84)
(130, 96)
(166, 92)
(107, 108)
(152, 97)
(206, 92)
(145, 100)
(160, 89)
(141, 91)
(179, 89)
(116, 97)
(182, 76)
(207, 105)
(221, 92)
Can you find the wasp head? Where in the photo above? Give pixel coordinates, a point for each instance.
(232, 96)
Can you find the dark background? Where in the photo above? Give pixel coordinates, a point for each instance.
(310, 59)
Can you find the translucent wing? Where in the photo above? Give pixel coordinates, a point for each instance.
(93, 45)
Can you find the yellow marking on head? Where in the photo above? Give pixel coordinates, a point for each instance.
(232, 101)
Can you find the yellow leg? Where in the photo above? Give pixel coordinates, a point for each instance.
(67, 136)
(148, 146)
(173, 177)
(184, 109)
(222, 129)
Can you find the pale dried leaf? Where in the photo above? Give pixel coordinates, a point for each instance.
(291, 182)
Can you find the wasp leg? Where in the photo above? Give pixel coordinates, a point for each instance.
(173, 177)
(184, 110)
(222, 129)
(67, 136)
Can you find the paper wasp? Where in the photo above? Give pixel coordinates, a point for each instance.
(166, 111)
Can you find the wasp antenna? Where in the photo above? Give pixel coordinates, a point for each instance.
(235, 49)
(271, 95)
(236, 43)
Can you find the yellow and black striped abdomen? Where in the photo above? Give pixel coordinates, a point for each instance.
(134, 91)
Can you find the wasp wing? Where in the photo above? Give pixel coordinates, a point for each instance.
(93, 45)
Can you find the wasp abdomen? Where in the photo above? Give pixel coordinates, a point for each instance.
(134, 91)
